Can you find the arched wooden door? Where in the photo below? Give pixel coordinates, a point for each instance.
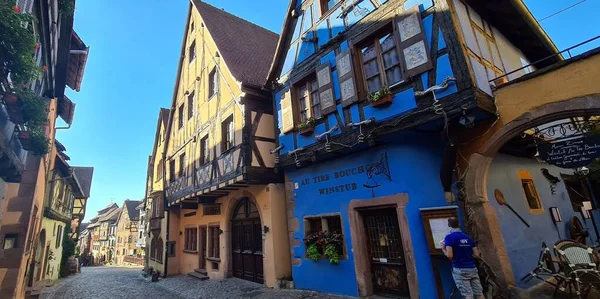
(246, 234)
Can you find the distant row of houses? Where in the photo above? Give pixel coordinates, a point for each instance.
(114, 236)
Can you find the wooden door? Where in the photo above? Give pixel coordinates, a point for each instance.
(247, 252)
(384, 246)
(202, 251)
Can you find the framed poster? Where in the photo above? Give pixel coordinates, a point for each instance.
(435, 221)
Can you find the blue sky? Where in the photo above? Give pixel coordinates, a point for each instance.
(131, 70)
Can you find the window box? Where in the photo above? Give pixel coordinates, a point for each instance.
(307, 127)
(13, 108)
(382, 102)
(381, 98)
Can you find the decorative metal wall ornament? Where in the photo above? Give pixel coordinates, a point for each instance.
(552, 179)
(376, 169)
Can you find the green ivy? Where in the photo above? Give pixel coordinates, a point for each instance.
(33, 107)
(17, 44)
(39, 142)
(68, 250)
(312, 251)
(66, 7)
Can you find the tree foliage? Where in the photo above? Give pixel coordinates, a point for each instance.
(68, 246)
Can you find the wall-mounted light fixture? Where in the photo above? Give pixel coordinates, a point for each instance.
(265, 229)
(555, 212)
(556, 218)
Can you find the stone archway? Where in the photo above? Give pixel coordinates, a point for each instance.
(483, 221)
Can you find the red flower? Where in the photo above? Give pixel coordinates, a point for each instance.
(17, 9)
(45, 68)
(37, 46)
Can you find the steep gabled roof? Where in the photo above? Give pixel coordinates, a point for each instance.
(132, 210)
(84, 176)
(107, 208)
(164, 116)
(246, 48)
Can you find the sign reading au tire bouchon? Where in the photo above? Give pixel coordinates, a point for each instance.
(573, 153)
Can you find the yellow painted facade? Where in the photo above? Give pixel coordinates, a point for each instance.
(34, 178)
(155, 195)
(126, 235)
(204, 151)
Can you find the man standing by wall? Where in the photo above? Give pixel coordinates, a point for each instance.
(460, 248)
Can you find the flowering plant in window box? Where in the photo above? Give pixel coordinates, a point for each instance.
(35, 141)
(380, 98)
(306, 127)
(323, 244)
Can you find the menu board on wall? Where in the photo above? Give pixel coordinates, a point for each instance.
(435, 221)
(572, 153)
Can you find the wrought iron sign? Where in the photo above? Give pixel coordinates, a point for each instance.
(570, 144)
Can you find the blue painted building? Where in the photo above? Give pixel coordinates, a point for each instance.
(369, 95)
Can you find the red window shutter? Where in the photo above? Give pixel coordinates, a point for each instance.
(326, 94)
(412, 43)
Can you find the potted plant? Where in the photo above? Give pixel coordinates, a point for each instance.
(34, 109)
(323, 244)
(380, 98)
(35, 141)
(11, 101)
(306, 127)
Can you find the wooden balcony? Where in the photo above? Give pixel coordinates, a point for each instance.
(217, 178)
(155, 224)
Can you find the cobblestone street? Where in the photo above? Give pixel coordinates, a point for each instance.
(114, 282)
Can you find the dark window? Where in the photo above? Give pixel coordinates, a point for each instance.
(129, 239)
(331, 224)
(10, 241)
(578, 191)
(180, 120)
(327, 5)
(531, 195)
(381, 62)
(190, 105)
(192, 54)
(213, 83)
(204, 150)
(59, 236)
(172, 170)
(181, 164)
(314, 225)
(171, 249)
(192, 26)
(159, 170)
(227, 134)
(309, 105)
(191, 239)
(214, 233)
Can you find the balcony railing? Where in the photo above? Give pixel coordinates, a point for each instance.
(14, 153)
(226, 167)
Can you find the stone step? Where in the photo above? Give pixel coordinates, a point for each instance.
(201, 271)
(197, 275)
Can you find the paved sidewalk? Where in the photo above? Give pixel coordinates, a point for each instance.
(128, 283)
(232, 288)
